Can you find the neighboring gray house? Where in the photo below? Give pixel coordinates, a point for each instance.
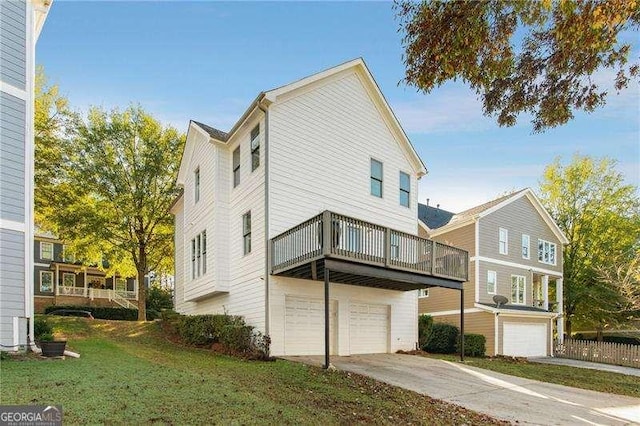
(20, 25)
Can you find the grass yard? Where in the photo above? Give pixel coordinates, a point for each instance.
(129, 373)
(602, 381)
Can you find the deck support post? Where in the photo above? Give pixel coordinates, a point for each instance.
(326, 318)
(462, 323)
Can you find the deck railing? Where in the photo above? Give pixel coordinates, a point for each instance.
(334, 235)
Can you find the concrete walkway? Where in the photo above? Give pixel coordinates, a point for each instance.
(629, 371)
(514, 399)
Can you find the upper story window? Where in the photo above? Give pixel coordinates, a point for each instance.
(255, 148)
(518, 287)
(546, 252)
(423, 292)
(46, 250)
(525, 246)
(46, 281)
(196, 185)
(503, 241)
(236, 167)
(246, 232)
(405, 189)
(199, 255)
(492, 282)
(376, 178)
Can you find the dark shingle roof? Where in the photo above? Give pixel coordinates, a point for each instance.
(213, 132)
(433, 217)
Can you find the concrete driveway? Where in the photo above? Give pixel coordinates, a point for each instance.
(499, 395)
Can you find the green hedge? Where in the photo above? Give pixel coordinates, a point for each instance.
(443, 339)
(101, 312)
(41, 327)
(474, 345)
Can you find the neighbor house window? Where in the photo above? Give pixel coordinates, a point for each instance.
(121, 284)
(68, 280)
(196, 179)
(46, 250)
(517, 289)
(423, 292)
(492, 279)
(405, 189)
(376, 178)
(525, 246)
(198, 255)
(255, 148)
(236, 167)
(503, 242)
(246, 232)
(46, 281)
(546, 252)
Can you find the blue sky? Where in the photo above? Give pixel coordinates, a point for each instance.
(208, 60)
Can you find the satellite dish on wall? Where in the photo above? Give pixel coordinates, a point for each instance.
(500, 300)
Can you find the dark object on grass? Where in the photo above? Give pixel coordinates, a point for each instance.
(52, 348)
(71, 313)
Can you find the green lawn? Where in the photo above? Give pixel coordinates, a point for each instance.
(597, 380)
(129, 373)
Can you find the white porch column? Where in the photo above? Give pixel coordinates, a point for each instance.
(85, 283)
(560, 320)
(57, 279)
(545, 292)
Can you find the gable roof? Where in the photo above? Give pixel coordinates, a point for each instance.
(433, 217)
(213, 132)
(471, 215)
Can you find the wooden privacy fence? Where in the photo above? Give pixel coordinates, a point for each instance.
(603, 352)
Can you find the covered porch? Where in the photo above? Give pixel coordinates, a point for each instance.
(331, 247)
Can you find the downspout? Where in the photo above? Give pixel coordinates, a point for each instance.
(267, 242)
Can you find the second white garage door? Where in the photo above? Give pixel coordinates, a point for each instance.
(368, 328)
(304, 326)
(524, 339)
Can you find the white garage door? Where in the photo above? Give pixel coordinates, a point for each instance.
(368, 328)
(304, 326)
(524, 339)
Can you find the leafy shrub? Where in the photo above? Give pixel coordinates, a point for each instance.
(474, 345)
(101, 312)
(236, 337)
(201, 330)
(41, 327)
(158, 299)
(425, 322)
(443, 339)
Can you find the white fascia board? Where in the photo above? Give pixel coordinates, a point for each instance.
(515, 313)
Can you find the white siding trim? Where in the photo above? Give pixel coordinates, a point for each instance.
(496, 334)
(29, 171)
(16, 333)
(12, 225)
(477, 266)
(42, 265)
(13, 90)
(454, 312)
(516, 265)
(515, 313)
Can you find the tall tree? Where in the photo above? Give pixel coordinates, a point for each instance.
(600, 215)
(536, 57)
(123, 167)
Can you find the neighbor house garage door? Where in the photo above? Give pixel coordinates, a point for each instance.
(368, 328)
(304, 326)
(524, 339)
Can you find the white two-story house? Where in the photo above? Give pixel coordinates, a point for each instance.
(514, 293)
(309, 201)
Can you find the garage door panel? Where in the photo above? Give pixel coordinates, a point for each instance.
(368, 328)
(304, 326)
(524, 339)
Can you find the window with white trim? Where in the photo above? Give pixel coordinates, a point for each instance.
(518, 287)
(68, 279)
(492, 282)
(405, 189)
(196, 185)
(503, 241)
(376, 178)
(236, 167)
(121, 284)
(246, 232)
(46, 250)
(546, 252)
(526, 243)
(423, 292)
(198, 255)
(255, 148)
(46, 282)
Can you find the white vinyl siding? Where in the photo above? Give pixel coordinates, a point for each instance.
(46, 281)
(492, 282)
(526, 246)
(503, 241)
(46, 250)
(547, 252)
(518, 289)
